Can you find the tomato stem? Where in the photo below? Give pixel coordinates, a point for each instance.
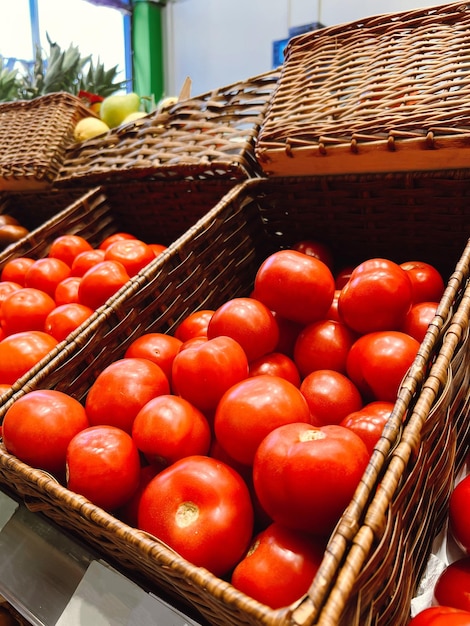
(186, 514)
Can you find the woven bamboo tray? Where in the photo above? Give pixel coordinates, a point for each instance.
(33, 138)
(154, 212)
(399, 504)
(204, 137)
(385, 94)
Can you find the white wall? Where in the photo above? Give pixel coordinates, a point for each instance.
(219, 42)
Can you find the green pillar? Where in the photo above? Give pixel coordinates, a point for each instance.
(147, 47)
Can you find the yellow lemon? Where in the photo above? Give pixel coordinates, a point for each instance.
(89, 127)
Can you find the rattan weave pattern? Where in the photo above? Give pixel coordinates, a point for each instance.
(386, 93)
(206, 137)
(34, 135)
(376, 554)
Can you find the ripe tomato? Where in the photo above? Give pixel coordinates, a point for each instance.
(15, 270)
(317, 249)
(377, 297)
(451, 588)
(330, 396)
(158, 248)
(134, 254)
(128, 513)
(103, 465)
(377, 363)
(204, 370)
(22, 351)
(279, 566)
(288, 333)
(66, 291)
(427, 282)
(119, 236)
(343, 276)
(418, 318)
(6, 288)
(305, 476)
(333, 312)
(369, 422)
(194, 325)
(38, 427)
(249, 322)
(251, 409)
(66, 318)
(202, 509)
(441, 616)
(295, 285)
(67, 247)
(168, 428)
(121, 389)
(323, 345)
(276, 364)
(83, 261)
(157, 347)
(25, 309)
(459, 512)
(101, 282)
(45, 274)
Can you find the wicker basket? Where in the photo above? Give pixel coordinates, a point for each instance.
(385, 94)
(205, 137)
(33, 137)
(398, 507)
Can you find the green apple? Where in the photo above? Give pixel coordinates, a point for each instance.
(115, 108)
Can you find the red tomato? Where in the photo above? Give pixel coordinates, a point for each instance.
(323, 345)
(6, 288)
(83, 261)
(22, 351)
(157, 347)
(45, 274)
(67, 247)
(66, 318)
(134, 254)
(451, 588)
(202, 509)
(333, 313)
(169, 428)
(103, 465)
(251, 409)
(66, 291)
(194, 325)
(459, 513)
(377, 297)
(418, 318)
(101, 282)
(25, 309)
(369, 422)
(305, 476)
(330, 396)
(104, 245)
(249, 322)
(128, 513)
(38, 427)
(295, 285)
(288, 333)
(158, 248)
(279, 567)
(441, 616)
(343, 276)
(121, 389)
(427, 282)
(15, 270)
(377, 363)
(317, 249)
(276, 364)
(204, 370)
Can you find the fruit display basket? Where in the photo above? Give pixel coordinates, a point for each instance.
(33, 137)
(211, 136)
(377, 552)
(387, 93)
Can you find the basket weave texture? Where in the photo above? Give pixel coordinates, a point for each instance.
(204, 137)
(385, 94)
(34, 135)
(377, 552)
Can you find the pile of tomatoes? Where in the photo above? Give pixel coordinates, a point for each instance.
(240, 439)
(43, 300)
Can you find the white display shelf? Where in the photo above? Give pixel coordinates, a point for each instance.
(53, 580)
